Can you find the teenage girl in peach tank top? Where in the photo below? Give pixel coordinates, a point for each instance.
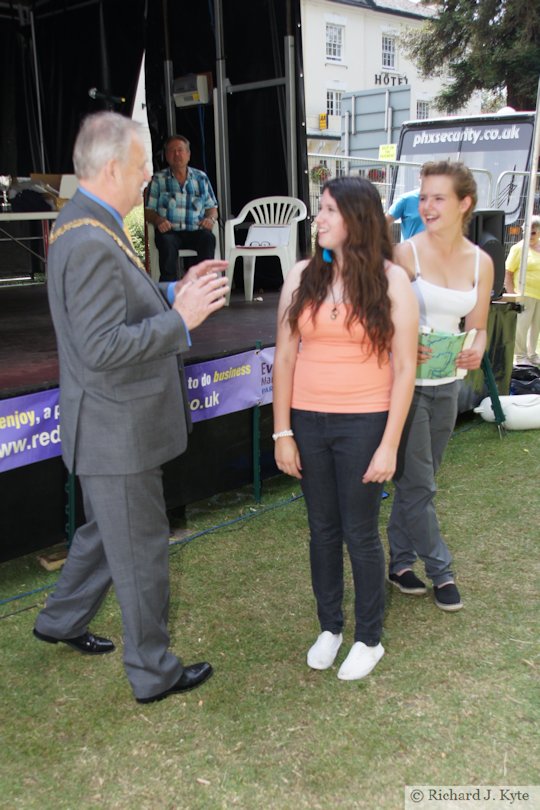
(344, 372)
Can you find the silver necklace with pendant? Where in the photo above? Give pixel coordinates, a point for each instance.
(334, 311)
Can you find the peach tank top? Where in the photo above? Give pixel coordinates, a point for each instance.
(334, 371)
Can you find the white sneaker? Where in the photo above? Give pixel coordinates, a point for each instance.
(360, 661)
(323, 653)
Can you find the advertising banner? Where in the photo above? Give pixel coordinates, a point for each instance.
(266, 357)
(223, 386)
(30, 429)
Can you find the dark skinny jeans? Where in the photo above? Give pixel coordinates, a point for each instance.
(335, 451)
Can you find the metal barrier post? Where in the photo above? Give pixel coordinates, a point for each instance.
(493, 394)
(256, 437)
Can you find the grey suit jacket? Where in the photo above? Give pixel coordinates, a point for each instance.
(122, 403)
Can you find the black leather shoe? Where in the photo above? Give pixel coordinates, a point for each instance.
(87, 643)
(191, 677)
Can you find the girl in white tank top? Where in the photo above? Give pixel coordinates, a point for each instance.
(447, 291)
(442, 308)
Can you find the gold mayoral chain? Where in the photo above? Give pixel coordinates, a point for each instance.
(78, 223)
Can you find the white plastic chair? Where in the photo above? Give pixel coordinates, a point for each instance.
(274, 232)
(153, 253)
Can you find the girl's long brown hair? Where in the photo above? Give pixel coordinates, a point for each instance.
(365, 251)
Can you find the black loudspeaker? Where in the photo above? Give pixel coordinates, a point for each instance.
(486, 230)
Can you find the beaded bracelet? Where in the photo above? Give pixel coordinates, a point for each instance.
(282, 434)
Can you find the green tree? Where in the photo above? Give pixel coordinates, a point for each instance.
(480, 45)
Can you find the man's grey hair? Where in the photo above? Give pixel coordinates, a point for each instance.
(103, 136)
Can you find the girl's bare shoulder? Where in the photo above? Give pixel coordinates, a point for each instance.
(404, 257)
(397, 274)
(292, 279)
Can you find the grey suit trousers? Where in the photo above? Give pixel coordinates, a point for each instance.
(124, 542)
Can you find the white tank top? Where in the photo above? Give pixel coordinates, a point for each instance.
(442, 308)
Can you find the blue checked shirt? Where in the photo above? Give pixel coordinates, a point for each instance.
(183, 206)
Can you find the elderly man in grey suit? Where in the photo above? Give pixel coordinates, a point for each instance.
(123, 408)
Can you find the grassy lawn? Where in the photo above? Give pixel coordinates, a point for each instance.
(451, 702)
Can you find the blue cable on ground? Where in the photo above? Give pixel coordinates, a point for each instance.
(212, 529)
(174, 543)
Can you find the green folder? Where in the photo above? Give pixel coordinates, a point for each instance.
(445, 348)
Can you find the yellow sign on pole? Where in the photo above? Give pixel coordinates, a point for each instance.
(387, 151)
(323, 121)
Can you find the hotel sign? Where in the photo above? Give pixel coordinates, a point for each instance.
(390, 79)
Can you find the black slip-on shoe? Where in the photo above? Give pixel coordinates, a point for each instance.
(447, 597)
(408, 582)
(191, 677)
(88, 643)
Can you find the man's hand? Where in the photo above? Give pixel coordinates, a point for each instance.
(164, 225)
(207, 223)
(214, 266)
(196, 299)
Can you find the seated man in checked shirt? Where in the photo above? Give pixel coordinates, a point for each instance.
(182, 206)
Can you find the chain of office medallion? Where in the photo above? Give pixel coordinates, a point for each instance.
(77, 223)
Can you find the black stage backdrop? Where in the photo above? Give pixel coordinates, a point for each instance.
(254, 33)
(80, 44)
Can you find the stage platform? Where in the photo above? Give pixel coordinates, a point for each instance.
(221, 451)
(28, 358)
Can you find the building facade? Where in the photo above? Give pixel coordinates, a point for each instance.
(354, 45)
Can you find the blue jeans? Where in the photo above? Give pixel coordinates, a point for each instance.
(335, 451)
(413, 529)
